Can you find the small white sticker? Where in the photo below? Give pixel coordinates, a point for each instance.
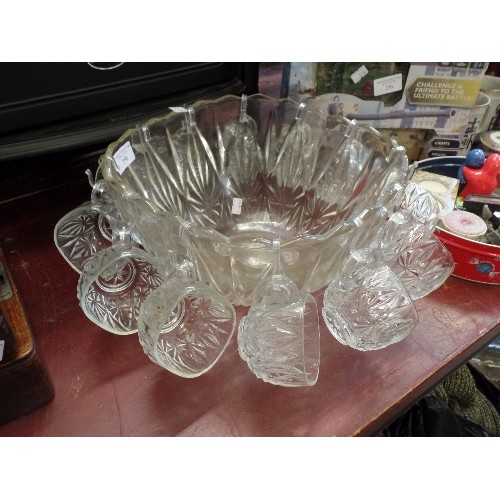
(178, 109)
(2, 343)
(124, 157)
(388, 84)
(359, 73)
(236, 208)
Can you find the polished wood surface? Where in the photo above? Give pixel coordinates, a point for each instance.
(106, 386)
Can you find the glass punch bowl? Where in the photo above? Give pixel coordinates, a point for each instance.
(211, 191)
(222, 180)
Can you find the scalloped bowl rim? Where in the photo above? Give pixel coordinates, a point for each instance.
(298, 237)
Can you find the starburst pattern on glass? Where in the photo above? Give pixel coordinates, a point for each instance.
(368, 308)
(185, 328)
(280, 342)
(235, 173)
(415, 255)
(113, 287)
(210, 193)
(80, 234)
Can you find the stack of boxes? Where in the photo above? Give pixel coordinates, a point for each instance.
(429, 108)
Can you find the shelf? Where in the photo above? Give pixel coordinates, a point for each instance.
(106, 386)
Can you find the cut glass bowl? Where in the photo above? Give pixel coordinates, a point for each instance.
(229, 198)
(219, 181)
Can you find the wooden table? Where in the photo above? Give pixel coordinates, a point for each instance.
(106, 386)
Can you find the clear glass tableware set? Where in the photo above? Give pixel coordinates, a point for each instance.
(257, 202)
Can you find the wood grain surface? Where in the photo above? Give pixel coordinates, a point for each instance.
(106, 386)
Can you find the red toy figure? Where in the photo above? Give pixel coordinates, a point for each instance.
(482, 180)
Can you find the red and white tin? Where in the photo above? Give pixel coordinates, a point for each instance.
(474, 261)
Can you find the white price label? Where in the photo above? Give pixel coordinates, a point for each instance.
(359, 73)
(387, 84)
(236, 208)
(178, 109)
(2, 344)
(124, 157)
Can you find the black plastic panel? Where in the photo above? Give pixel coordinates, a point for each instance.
(48, 107)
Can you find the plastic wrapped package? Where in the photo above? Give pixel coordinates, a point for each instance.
(463, 405)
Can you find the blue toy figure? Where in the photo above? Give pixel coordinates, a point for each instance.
(474, 159)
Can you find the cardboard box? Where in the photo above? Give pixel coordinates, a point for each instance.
(437, 97)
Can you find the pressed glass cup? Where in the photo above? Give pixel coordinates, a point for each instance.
(367, 307)
(279, 337)
(185, 327)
